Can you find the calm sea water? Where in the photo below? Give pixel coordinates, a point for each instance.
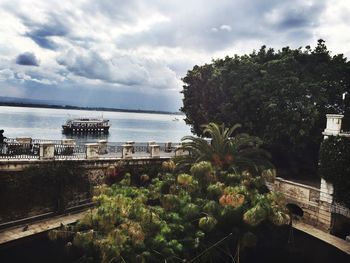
(42, 123)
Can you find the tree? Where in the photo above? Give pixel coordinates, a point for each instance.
(226, 149)
(281, 97)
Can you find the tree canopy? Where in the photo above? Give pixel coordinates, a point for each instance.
(281, 96)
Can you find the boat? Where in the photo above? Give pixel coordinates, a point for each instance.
(86, 125)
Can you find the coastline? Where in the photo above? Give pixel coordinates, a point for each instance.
(70, 107)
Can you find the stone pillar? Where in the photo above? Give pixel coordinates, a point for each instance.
(47, 150)
(68, 146)
(102, 146)
(127, 151)
(25, 144)
(326, 191)
(92, 150)
(149, 143)
(179, 150)
(333, 126)
(155, 151)
(132, 143)
(325, 205)
(168, 147)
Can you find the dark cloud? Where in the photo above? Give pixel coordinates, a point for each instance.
(91, 65)
(120, 69)
(27, 59)
(41, 33)
(297, 18)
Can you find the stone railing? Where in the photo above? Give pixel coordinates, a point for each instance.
(27, 148)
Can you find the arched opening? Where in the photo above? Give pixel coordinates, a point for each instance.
(295, 210)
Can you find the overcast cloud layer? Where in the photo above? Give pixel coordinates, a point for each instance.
(132, 54)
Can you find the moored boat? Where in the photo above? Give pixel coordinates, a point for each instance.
(86, 125)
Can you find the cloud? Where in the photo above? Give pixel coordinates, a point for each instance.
(6, 74)
(226, 28)
(119, 69)
(27, 59)
(42, 33)
(139, 49)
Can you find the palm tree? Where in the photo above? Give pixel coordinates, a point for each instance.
(240, 152)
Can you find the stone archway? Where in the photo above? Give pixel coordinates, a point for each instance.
(295, 210)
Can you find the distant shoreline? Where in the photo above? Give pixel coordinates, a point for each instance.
(69, 107)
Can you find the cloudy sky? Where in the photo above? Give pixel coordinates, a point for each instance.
(133, 54)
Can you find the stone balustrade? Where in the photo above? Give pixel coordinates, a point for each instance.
(28, 148)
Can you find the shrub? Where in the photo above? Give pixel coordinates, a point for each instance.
(334, 166)
(174, 218)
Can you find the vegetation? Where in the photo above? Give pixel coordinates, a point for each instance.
(334, 166)
(211, 212)
(280, 96)
(227, 149)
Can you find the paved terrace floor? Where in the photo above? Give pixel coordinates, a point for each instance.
(15, 233)
(18, 232)
(337, 242)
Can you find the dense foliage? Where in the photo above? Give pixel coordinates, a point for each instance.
(227, 150)
(206, 213)
(281, 96)
(334, 166)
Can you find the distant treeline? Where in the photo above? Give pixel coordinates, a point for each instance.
(69, 107)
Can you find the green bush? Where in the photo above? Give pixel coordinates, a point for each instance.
(335, 166)
(175, 218)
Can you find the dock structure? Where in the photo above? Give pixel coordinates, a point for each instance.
(86, 125)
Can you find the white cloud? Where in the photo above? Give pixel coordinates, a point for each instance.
(6, 74)
(226, 28)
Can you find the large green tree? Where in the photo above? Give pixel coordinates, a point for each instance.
(281, 96)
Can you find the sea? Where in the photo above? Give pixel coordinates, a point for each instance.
(46, 123)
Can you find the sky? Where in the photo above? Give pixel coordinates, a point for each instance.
(132, 54)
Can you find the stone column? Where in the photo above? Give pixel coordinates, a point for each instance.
(149, 143)
(168, 147)
(68, 146)
(92, 150)
(326, 191)
(47, 150)
(326, 201)
(127, 151)
(155, 151)
(132, 143)
(333, 126)
(25, 144)
(102, 146)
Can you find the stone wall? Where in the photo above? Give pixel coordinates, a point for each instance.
(97, 171)
(313, 201)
